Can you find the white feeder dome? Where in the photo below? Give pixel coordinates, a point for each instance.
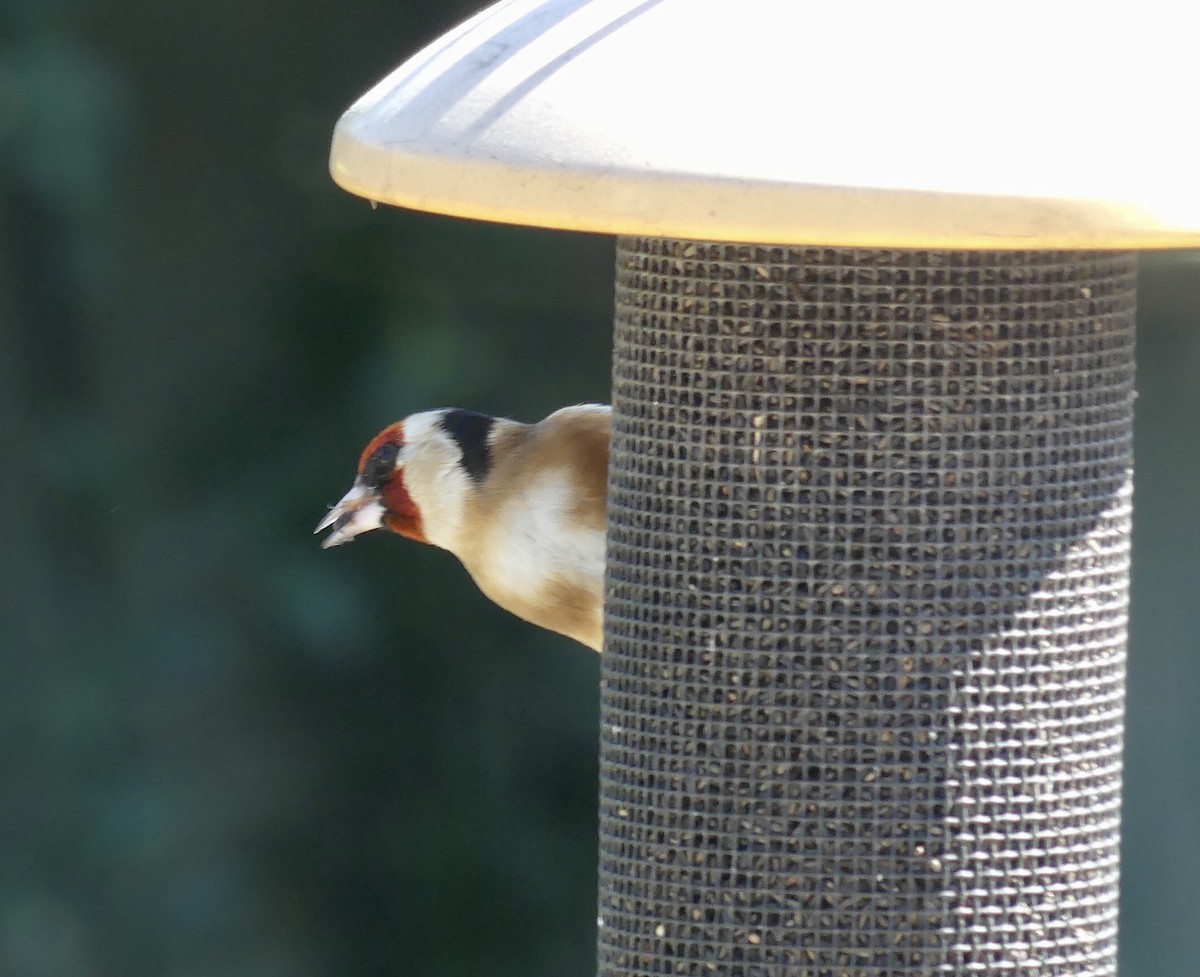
(949, 125)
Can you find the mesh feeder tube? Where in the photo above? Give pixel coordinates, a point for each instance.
(868, 551)
(869, 518)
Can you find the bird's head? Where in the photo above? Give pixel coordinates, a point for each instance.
(411, 479)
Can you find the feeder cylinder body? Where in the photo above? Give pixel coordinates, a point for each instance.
(868, 554)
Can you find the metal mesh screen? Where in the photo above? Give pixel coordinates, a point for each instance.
(868, 556)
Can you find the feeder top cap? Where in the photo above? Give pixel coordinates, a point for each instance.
(1026, 124)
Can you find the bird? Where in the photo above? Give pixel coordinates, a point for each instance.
(522, 506)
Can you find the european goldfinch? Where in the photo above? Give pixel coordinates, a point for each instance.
(521, 505)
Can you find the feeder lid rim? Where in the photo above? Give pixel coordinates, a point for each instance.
(927, 124)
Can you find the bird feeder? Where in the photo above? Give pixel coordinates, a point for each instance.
(869, 490)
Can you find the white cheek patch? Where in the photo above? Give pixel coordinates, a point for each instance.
(433, 478)
(417, 428)
(438, 496)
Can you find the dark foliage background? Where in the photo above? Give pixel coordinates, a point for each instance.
(225, 753)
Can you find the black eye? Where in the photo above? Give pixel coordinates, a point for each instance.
(380, 465)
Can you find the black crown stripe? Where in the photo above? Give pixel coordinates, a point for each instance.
(470, 432)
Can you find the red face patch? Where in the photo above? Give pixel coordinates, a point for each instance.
(392, 434)
(400, 512)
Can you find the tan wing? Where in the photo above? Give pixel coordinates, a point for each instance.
(536, 546)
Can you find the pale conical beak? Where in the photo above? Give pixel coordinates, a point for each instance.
(358, 512)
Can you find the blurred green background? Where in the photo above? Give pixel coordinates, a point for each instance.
(226, 753)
